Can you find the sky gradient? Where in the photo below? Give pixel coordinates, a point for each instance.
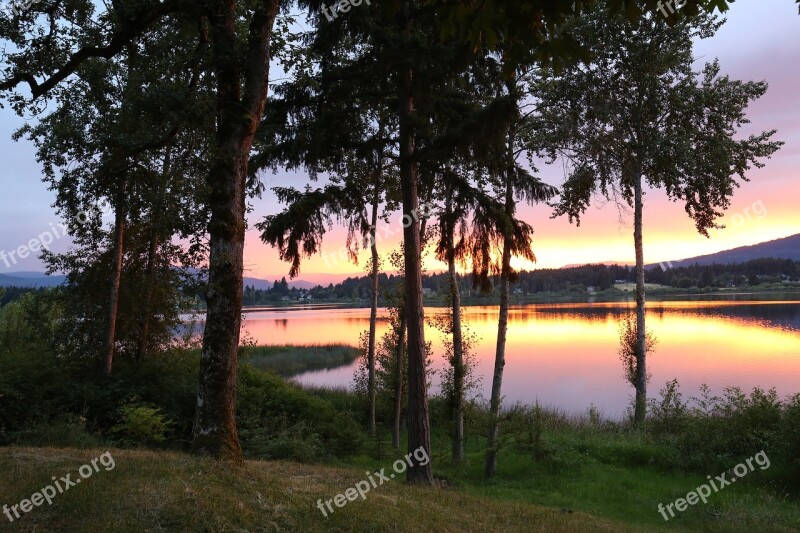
(760, 41)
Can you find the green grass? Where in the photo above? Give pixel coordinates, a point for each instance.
(165, 491)
(618, 478)
(607, 471)
(290, 361)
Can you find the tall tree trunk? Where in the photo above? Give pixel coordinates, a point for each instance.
(113, 302)
(144, 336)
(458, 344)
(239, 110)
(418, 420)
(398, 379)
(502, 328)
(373, 314)
(640, 409)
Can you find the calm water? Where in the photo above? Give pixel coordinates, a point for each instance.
(565, 355)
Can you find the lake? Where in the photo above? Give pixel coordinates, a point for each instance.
(565, 355)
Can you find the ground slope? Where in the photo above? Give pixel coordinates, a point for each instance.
(161, 491)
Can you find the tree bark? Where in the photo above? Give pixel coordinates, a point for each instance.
(398, 376)
(492, 444)
(373, 314)
(239, 109)
(458, 344)
(144, 337)
(418, 419)
(113, 302)
(490, 467)
(640, 409)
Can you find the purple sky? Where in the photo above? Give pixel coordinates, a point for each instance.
(761, 41)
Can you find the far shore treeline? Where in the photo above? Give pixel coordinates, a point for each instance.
(577, 281)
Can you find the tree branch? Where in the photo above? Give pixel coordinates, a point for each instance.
(130, 29)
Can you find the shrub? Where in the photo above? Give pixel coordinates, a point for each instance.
(67, 431)
(718, 432)
(275, 416)
(141, 423)
(668, 414)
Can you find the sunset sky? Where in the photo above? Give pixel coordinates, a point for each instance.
(761, 41)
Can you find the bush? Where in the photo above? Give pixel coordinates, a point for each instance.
(719, 432)
(141, 423)
(68, 431)
(280, 420)
(790, 432)
(298, 441)
(669, 414)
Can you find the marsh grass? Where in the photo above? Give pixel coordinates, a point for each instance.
(289, 361)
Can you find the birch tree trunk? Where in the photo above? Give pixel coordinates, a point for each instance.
(458, 352)
(116, 277)
(373, 314)
(143, 344)
(502, 329)
(152, 252)
(640, 409)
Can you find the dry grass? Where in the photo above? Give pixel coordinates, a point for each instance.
(164, 491)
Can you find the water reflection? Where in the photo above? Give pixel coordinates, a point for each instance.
(565, 355)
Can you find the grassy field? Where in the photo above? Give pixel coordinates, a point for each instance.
(289, 361)
(168, 491)
(164, 491)
(621, 478)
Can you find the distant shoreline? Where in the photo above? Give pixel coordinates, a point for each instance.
(609, 296)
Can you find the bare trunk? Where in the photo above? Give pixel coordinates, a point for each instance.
(239, 111)
(458, 344)
(418, 421)
(144, 337)
(640, 409)
(502, 329)
(143, 344)
(373, 315)
(113, 302)
(398, 383)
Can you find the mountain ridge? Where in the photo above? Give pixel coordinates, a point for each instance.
(783, 248)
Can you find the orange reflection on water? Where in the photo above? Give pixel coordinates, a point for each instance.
(565, 355)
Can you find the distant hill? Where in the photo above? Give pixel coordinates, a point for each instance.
(786, 248)
(30, 279)
(606, 263)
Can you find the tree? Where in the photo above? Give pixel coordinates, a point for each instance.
(50, 49)
(638, 116)
(93, 153)
(628, 349)
(395, 41)
(347, 141)
(707, 278)
(499, 224)
(523, 28)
